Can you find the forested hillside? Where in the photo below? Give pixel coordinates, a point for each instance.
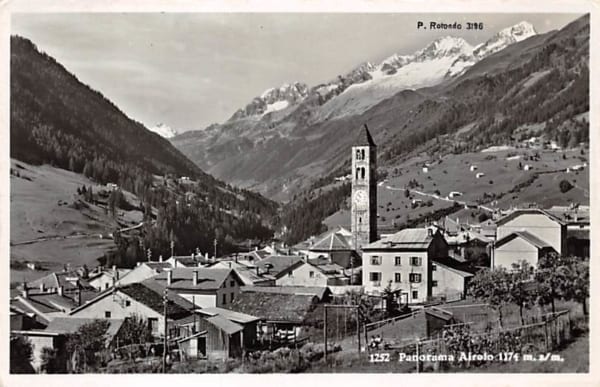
(57, 120)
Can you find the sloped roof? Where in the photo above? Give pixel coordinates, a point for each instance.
(279, 263)
(364, 137)
(525, 235)
(459, 268)
(154, 300)
(440, 313)
(232, 315)
(332, 242)
(224, 324)
(292, 308)
(535, 211)
(66, 325)
(63, 278)
(408, 238)
(158, 267)
(318, 291)
(208, 279)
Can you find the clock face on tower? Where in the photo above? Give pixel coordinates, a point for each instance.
(361, 199)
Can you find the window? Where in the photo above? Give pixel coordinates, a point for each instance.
(375, 276)
(359, 154)
(397, 277)
(415, 278)
(107, 314)
(415, 294)
(375, 260)
(232, 297)
(289, 274)
(415, 261)
(398, 261)
(153, 324)
(311, 274)
(224, 299)
(232, 283)
(434, 284)
(127, 303)
(433, 267)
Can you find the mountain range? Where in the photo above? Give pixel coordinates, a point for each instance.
(163, 130)
(287, 138)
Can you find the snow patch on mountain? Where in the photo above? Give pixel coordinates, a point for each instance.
(163, 130)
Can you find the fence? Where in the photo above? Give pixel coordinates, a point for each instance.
(531, 339)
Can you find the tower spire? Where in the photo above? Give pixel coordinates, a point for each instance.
(365, 138)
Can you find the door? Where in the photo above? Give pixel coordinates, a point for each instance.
(200, 347)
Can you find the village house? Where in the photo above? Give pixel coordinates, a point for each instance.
(216, 333)
(450, 279)
(404, 262)
(336, 245)
(275, 264)
(283, 317)
(577, 219)
(470, 246)
(194, 260)
(539, 223)
(249, 273)
(203, 287)
(141, 299)
(520, 246)
(103, 278)
(143, 271)
(313, 272)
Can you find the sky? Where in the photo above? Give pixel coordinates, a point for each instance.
(189, 70)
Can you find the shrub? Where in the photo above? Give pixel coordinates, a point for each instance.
(565, 186)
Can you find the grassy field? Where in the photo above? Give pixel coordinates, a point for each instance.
(51, 225)
(502, 174)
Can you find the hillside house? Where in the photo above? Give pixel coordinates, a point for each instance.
(425, 169)
(217, 333)
(479, 175)
(454, 194)
(404, 261)
(539, 223)
(203, 287)
(520, 246)
(141, 299)
(473, 168)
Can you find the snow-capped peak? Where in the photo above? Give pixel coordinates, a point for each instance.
(505, 37)
(443, 47)
(519, 31)
(163, 130)
(274, 99)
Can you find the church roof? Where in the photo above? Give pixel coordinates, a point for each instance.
(364, 138)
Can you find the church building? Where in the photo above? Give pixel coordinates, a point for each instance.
(364, 190)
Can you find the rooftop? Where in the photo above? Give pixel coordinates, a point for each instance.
(279, 263)
(527, 236)
(291, 308)
(208, 279)
(364, 137)
(317, 291)
(408, 238)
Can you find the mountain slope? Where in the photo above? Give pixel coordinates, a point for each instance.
(163, 131)
(57, 120)
(281, 155)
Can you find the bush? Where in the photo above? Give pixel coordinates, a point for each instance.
(565, 186)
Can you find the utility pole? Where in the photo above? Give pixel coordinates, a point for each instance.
(215, 244)
(172, 247)
(164, 359)
(325, 330)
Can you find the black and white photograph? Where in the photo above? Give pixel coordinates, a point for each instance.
(279, 192)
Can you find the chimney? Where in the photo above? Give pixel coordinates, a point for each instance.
(42, 287)
(115, 272)
(169, 277)
(229, 264)
(430, 232)
(257, 273)
(206, 256)
(195, 282)
(25, 291)
(255, 248)
(60, 291)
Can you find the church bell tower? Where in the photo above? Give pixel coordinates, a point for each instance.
(364, 190)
